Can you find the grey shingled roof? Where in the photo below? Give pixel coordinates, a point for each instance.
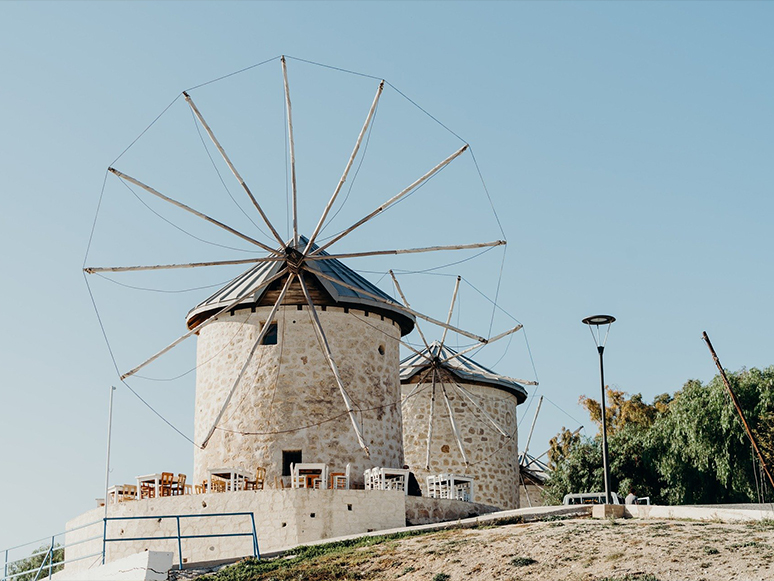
(253, 278)
(463, 367)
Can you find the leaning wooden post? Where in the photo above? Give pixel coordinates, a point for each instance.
(738, 408)
(292, 152)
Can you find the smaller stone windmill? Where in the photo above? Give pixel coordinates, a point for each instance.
(460, 417)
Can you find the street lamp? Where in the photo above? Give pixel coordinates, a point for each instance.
(596, 322)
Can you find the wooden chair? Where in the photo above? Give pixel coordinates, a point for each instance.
(166, 483)
(340, 480)
(188, 489)
(257, 484)
(178, 488)
(199, 488)
(147, 490)
(127, 492)
(218, 485)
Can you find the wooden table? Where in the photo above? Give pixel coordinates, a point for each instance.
(234, 476)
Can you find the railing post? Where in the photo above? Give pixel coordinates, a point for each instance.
(256, 552)
(179, 544)
(51, 561)
(5, 568)
(104, 536)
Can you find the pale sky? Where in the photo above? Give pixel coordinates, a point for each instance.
(626, 148)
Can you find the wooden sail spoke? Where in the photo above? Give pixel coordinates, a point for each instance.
(233, 169)
(406, 309)
(405, 302)
(453, 423)
(204, 323)
(328, 207)
(488, 341)
(406, 250)
(96, 269)
(394, 199)
(264, 329)
(182, 206)
(334, 368)
(430, 423)
(292, 152)
(471, 399)
(451, 308)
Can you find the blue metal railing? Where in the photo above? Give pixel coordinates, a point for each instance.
(179, 537)
(49, 554)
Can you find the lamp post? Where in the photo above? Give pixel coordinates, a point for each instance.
(596, 322)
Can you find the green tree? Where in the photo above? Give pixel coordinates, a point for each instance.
(29, 566)
(690, 448)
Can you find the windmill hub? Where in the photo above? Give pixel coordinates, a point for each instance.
(294, 259)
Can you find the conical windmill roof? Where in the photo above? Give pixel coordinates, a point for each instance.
(339, 294)
(463, 367)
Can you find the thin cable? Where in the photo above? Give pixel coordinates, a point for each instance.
(333, 68)
(357, 171)
(115, 365)
(497, 291)
(152, 123)
(158, 290)
(423, 111)
(94, 222)
(489, 197)
(178, 227)
(220, 177)
(232, 74)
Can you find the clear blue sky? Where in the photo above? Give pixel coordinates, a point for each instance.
(627, 148)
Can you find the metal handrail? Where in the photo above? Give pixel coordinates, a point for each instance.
(179, 536)
(49, 552)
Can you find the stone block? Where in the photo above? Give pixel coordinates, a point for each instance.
(608, 511)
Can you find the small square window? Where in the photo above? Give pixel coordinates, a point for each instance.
(270, 338)
(290, 457)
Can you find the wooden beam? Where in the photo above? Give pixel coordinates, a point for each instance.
(451, 309)
(261, 335)
(292, 152)
(95, 269)
(182, 206)
(405, 302)
(232, 168)
(406, 250)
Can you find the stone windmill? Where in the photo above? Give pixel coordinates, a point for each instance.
(298, 357)
(460, 417)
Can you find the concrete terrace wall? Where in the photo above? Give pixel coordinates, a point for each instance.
(290, 385)
(283, 519)
(493, 458)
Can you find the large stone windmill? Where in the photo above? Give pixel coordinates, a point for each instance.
(298, 357)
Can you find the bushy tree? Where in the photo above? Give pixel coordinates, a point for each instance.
(690, 448)
(29, 566)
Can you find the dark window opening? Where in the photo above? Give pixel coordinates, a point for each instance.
(270, 338)
(290, 457)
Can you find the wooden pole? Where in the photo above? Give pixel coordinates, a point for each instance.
(738, 407)
(292, 152)
(261, 335)
(334, 368)
(451, 309)
(406, 250)
(95, 269)
(430, 423)
(491, 340)
(394, 199)
(204, 323)
(470, 398)
(407, 309)
(182, 206)
(328, 207)
(405, 302)
(232, 168)
(532, 428)
(454, 425)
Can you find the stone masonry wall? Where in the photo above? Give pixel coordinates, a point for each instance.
(493, 458)
(290, 386)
